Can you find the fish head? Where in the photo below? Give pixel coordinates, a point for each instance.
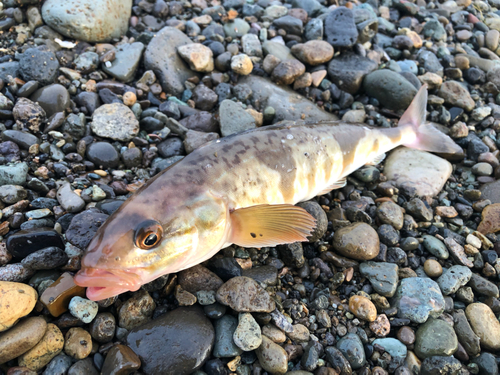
(141, 242)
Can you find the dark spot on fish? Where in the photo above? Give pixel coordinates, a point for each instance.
(260, 234)
(253, 235)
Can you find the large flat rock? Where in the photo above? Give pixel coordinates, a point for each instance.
(426, 172)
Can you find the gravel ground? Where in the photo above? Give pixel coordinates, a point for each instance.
(401, 275)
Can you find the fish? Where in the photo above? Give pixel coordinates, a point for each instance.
(241, 189)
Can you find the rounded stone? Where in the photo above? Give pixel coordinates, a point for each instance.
(287, 71)
(390, 213)
(272, 357)
(485, 325)
(115, 121)
(352, 348)
(16, 300)
(243, 294)
(83, 309)
(435, 338)
(102, 328)
(53, 98)
(363, 308)
(78, 343)
(436, 247)
(185, 331)
(247, 335)
(316, 211)
(103, 155)
(47, 348)
(21, 338)
(88, 20)
(313, 52)
(241, 64)
(357, 241)
(432, 268)
(136, 311)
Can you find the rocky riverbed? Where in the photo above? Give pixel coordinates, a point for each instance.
(401, 275)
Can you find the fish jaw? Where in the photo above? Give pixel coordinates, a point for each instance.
(102, 284)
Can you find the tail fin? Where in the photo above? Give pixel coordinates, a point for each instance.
(427, 137)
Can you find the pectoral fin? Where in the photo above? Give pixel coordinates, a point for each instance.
(270, 225)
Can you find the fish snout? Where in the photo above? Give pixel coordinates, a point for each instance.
(95, 277)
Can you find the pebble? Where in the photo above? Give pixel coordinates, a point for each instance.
(185, 330)
(38, 65)
(484, 324)
(236, 28)
(115, 121)
(352, 348)
(247, 335)
(453, 278)
(48, 347)
(340, 28)
(357, 241)
(313, 52)
(490, 222)
(406, 335)
(234, 119)
(241, 64)
(90, 21)
(126, 62)
(77, 343)
(394, 347)
(418, 298)
(24, 336)
(198, 56)
(383, 276)
(274, 333)
(272, 357)
(455, 94)
(52, 98)
(199, 278)
(299, 333)
(348, 71)
(363, 308)
(433, 269)
(136, 311)
(317, 212)
(390, 88)
(381, 326)
(60, 364)
(83, 227)
(58, 294)
(14, 174)
(83, 309)
(426, 172)
(457, 252)
(287, 71)
(69, 200)
(436, 364)
(16, 300)
(436, 247)
(224, 345)
(435, 338)
(243, 294)
(119, 360)
(102, 328)
(390, 213)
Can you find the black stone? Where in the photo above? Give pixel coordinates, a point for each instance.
(108, 206)
(25, 242)
(225, 268)
(340, 28)
(84, 226)
(103, 154)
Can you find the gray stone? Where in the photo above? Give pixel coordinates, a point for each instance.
(287, 103)
(394, 347)
(88, 20)
(348, 70)
(278, 50)
(352, 348)
(115, 121)
(38, 65)
(126, 61)
(224, 346)
(435, 338)
(162, 58)
(236, 28)
(234, 119)
(438, 365)
(10, 68)
(247, 335)
(453, 278)
(391, 89)
(340, 28)
(436, 247)
(13, 174)
(418, 298)
(383, 276)
(69, 200)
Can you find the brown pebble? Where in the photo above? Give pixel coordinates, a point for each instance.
(406, 335)
(42, 353)
(21, 338)
(381, 326)
(120, 360)
(432, 268)
(129, 98)
(57, 296)
(78, 343)
(363, 308)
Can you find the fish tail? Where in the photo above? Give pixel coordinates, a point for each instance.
(425, 137)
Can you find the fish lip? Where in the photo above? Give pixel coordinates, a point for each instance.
(109, 278)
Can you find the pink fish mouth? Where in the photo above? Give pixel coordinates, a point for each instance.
(102, 284)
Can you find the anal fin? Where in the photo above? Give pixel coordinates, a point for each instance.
(336, 185)
(270, 225)
(377, 160)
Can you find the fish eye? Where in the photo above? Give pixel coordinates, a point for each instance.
(148, 234)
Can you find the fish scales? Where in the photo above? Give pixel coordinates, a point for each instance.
(241, 189)
(282, 164)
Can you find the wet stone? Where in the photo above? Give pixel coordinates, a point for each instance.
(363, 308)
(25, 242)
(83, 309)
(119, 360)
(453, 278)
(352, 348)
(357, 241)
(436, 247)
(53, 98)
(272, 357)
(77, 343)
(57, 296)
(484, 324)
(199, 278)
(47, 348)
(439, 365)
(418, 298)
(348, 70)
(83, 367)
(102, 328)
(188, 334)
(126, 61)
(394, 347)
(224, 346)
(13, 174)
(115, 121)
(83, 227)
(45, 259)
(60, 364)
(466, 336)
(435, 338)
(21, 338)
(247, 335)
(136, 311)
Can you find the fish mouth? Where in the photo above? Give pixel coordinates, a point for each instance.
(107, 283)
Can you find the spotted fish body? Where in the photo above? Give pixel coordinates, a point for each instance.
(240, 189)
